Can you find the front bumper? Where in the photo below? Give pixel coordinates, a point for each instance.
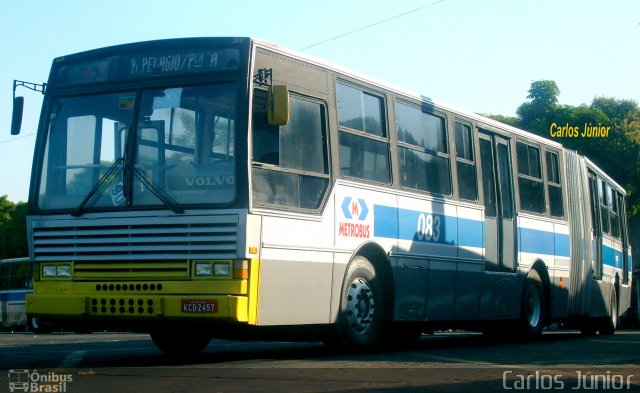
(147, 301)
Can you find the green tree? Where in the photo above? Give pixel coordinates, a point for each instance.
(13, 229)
(618, 110)
(6, 207)
(543, 96)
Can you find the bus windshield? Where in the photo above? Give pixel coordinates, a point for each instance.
(140, 148)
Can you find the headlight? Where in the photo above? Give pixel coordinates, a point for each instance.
(212, 269)
(204, 269)
(57, 270)
(64, 271)
(49, 271)
(222, 269)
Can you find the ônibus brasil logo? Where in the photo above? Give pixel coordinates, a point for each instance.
(354, 210)
(33, 381)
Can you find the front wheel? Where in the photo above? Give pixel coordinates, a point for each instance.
(533, 306)
(180, 342)
(361, 314)
(36, 326)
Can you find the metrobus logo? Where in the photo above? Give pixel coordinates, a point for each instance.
(354, 210)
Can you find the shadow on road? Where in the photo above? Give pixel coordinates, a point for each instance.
(440, 350)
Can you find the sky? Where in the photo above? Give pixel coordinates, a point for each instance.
(480, 55)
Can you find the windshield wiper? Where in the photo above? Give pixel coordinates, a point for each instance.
(158, 192)
(97, 188)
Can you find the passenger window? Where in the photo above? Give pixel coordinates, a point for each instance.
(422, 150)
(554, 186)
(604, 206)
(364, 147)
(290, 163)
(530, 182)
(488, 178)
(614, 212)
(361, 111)
(465, 160)
(504, 177)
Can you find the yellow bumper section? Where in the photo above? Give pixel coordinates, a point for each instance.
(85, 300)
(228, 307)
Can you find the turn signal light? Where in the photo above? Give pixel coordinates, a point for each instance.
(241, 269)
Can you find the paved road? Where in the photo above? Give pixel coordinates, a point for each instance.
(124, 362)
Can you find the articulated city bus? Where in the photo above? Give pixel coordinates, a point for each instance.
(227, 187)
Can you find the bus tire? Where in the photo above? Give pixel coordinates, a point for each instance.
(533, 306)
(180, 343)
(361, 317)
(609, 324)
(36, 326)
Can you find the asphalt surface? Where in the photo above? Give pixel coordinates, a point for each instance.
(453, 362)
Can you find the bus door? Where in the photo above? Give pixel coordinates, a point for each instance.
(499, 228)
(596, 229)
(624, 235)
(500, 296)
(624, 301)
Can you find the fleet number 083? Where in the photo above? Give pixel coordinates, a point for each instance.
(428, 227)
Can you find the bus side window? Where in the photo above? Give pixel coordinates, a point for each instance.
(290, 163)
(530, 183)
(465, 160)
(364, 144)
(604, 206)
(422, 150)
(553, 185)
(488, 178)
(614, 212)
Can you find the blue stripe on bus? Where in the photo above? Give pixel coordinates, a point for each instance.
(402, 224)
(393, 223)
(609, 257)
(14, 296)
(542, 242)
(385, 223)
(468, 231)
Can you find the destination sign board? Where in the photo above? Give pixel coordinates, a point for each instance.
(147, 64)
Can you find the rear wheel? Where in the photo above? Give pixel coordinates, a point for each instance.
(361, 316)
(609, 324)
(180, 342)
(532, 312)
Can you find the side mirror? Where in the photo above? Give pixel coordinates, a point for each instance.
(16, 117)
(278, 105)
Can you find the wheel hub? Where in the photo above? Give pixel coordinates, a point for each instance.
(360, 305)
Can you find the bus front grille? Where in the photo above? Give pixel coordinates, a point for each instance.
(134, 248)
(131, 270)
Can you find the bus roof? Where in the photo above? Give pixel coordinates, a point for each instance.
(602, 174)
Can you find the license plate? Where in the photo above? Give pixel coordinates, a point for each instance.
(199, 306)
